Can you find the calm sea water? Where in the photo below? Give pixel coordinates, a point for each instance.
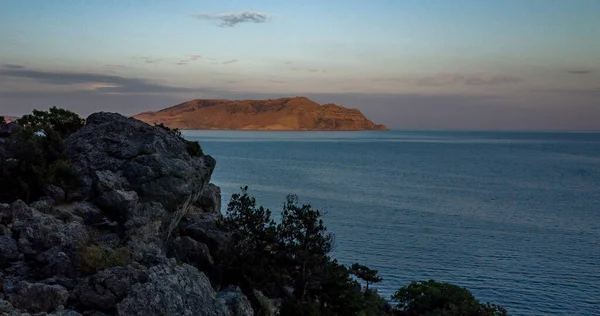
(514, 217)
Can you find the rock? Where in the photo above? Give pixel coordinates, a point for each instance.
(8, 250)
(56, 263)
(108, 287)
(55, 193)
(38, 232)
(204, 228)
(117, 202)
(38, 297)
(43, 205)
(210, 201)
(5, 307)
(189, 251)
(90, 213)
(155, 163)
(173, 290)
(236, 301)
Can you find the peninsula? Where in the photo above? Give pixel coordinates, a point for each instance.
(298, 113)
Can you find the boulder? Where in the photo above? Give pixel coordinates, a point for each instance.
(203, 227)
(155, 163)
(54, 192)
(173, 289)
(189, 251)
(38, 232)
(8, 250)
(38, 297)
(236, 301)
(105, 289)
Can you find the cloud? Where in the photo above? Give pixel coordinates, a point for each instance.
(579, 72)
(93, 82)
(313, 70)
(233, 19)
(471, 80)
(147, 60)
(445, 79)
(13, 66)
(231, 61)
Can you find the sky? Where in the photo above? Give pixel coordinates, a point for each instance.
(409, 64)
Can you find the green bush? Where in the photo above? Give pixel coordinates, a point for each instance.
(36, 155)
(443, 299)
(94, 258)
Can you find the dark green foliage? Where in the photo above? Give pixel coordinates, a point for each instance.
(438, 298)
(62, 121)
(293, 255)
(36, 155)
(365, 273)
(174, 131)
(193, 148)
(252, 257)
(2, 121)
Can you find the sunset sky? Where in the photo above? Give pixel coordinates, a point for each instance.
(419, 64)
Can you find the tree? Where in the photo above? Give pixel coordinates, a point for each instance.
(36, 157)
(251, 257)
(305, 243)
(365, 273)
(2, 121)
(441, 299)
(62, 121)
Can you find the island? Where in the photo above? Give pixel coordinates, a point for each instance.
(297, 113)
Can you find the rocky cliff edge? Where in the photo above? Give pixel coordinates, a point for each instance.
(138, 237)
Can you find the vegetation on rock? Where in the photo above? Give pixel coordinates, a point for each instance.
(193, 148)
(34, 155)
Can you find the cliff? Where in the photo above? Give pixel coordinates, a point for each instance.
(138, 236)
(298, 113)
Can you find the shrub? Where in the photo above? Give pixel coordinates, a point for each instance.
(443, 299)
(94, 258)
(36, 155)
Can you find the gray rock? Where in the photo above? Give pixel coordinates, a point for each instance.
(8, 250)
(56, 263)
(38, 232)
(89, 213)
(55, 193)
(210, 201)
(117, 202)
(66, 312)
(173, 290)
(108, 287)
(43, 205)
(189, 251)
(38, 297)
(204, 228)
(6, 307)
(155, 163)
(236, 301)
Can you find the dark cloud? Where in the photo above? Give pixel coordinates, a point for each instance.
(111, 83)
(13, 66)
(579, 72)
(231, 61)
(233, 19)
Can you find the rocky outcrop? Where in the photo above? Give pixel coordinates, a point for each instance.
(297, 113)
(104, 248)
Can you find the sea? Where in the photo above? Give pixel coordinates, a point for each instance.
(512, 216)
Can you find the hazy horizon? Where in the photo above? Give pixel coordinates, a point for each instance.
(424, 65)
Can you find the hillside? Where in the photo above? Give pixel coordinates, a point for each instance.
(297, 113)
(9, 119)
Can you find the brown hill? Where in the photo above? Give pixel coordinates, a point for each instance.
(297, 113)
